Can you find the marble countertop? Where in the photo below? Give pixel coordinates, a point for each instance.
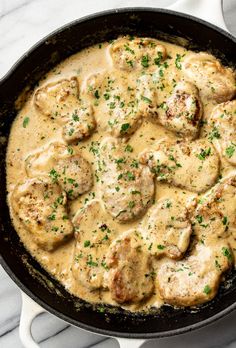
(22, 23)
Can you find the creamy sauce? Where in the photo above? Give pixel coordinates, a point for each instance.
(32, 130)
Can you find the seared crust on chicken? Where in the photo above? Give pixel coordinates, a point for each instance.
(214, 81)
(182, 111)
(193, 166)
(166, 229)
(64, 165)
(41, 207)
(223, 130)
(127, 186)
(129, 53)
(60, 101)
(130, 272)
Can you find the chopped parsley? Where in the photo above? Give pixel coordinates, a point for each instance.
(227, 253)
(75, 116)
(130, 176)
(53, 175)
(127, 48)
(214, 134)
(131, 204)
(106, 96)
(145, 99)
(128, 148)
(70, 150)
(96, 94)
(52, 217)
(157, 60)
(224, 220)
(204, 153)
(178, 61)
(91, 263)
(112, 105)
(199, 218)
(230, 150)
(86, 243)
(145, 61)
(161, 73)
(26, 122)
(207, 290)
(124, 127)
(104, 265)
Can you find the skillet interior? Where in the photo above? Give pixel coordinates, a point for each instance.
(23, 269)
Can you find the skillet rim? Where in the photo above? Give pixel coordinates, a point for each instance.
(3, 262)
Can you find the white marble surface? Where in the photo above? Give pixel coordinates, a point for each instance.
(22, 23)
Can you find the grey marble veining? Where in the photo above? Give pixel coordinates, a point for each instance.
(22, 23)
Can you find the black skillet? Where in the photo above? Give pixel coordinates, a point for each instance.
(17, 262)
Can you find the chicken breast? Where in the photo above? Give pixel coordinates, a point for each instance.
(63, 165)
(214, 81)
(60, 101)
(93, 234)
(193, 166)
(41, 207)
(223, 130)
(182, 111)
(214, 217)
(196, 279)
(129, 53)
(124, 101)
(127, 186)
(130, 274)
(167, 228)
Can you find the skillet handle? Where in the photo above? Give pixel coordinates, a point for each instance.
(30, 310)
(210, 11)
(130, 342)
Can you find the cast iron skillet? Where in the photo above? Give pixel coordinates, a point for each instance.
(18, 263)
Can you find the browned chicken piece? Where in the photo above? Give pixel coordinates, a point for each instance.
(63, 165)
(60, 101)
(130, 274)
(56, 99)
(214, 81)
(125, 101)
(41, 207)
(117, 94)
(189, 165)
(136, 53)
(182, 111)
(196, 279)
(166, 229)
(214, 217)
(127, 186)
(223, 130)
(93, 233)
(80, 125)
